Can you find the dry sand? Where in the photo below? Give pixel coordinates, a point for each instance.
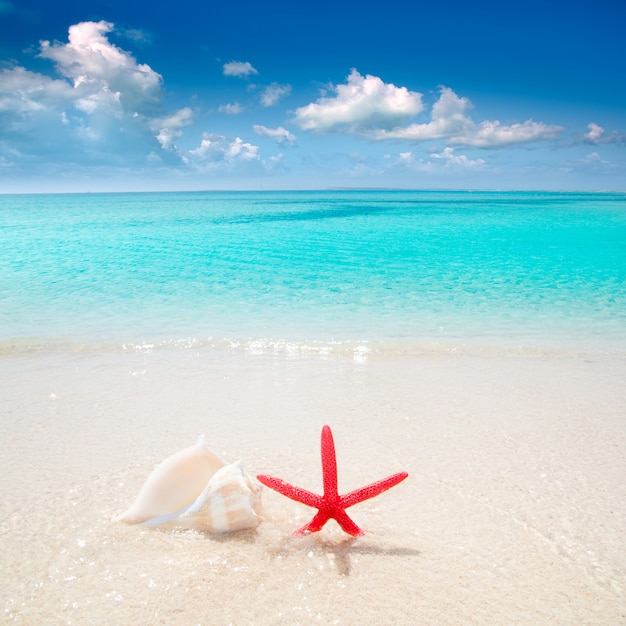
(514, 511)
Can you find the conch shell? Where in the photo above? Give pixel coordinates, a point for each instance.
(193, 488)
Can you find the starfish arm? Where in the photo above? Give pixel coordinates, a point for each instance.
(295, 493)
(369, 491)
(347, 524)
(329, 464)
(316, 524)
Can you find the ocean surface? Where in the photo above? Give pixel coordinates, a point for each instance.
(268, 271)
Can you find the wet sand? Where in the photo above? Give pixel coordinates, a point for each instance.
(513, 513)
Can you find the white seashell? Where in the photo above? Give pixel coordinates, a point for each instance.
(231, 501)
(174, 484)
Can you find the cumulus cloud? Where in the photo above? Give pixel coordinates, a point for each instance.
(451, 159)
(596, 134)
(276, 163)
(103, 74)
(593, 158)
(233, 108)
(362, 104)
(239, 68)
(379, 111)
(592, 164)
(450, 121)
(447, 159)
(138, 36)
(280, 135)
(448, 118)
(493, 134)
(44, 118)
(168, 128)
(273, 93)
(23, 93)
(217, 149)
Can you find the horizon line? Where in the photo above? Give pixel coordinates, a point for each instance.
(314, 189)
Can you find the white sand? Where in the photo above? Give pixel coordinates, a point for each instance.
(514, 511)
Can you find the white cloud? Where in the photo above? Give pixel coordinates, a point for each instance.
(451, 159)
(239, 68)
(596, 134)
(447, 118)
(446, 159)
(233, 108)
(138, 36)
(215, 149)
(369, 107)
(273, 93)
(169, 128)
(593, 165)
(280, 135)
(493, 134)
(103, 74)
(238, 149)
(593, 157)
(23, 92)
(363, 103)
(276, 163)
(595, 162)
(38, 118)
(449, 121)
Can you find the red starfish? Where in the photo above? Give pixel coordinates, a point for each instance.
(331, 504)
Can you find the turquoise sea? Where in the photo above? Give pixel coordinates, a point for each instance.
(384, 270)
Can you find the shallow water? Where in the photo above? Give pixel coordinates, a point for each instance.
(525, 269)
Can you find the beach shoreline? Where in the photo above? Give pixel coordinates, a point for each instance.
(513, 511)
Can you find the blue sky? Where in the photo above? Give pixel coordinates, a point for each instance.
(119, 96)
